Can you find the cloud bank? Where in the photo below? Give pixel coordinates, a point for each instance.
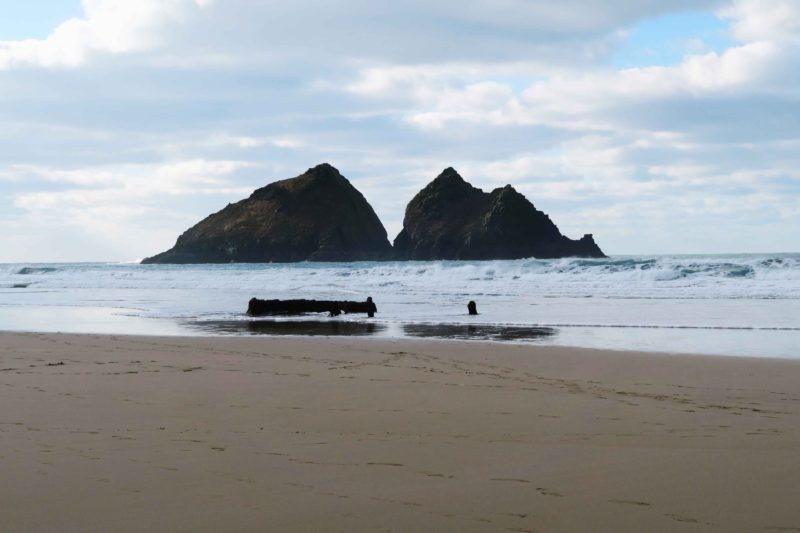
(130, 123)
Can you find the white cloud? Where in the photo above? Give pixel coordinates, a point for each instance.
(107, 27)
(115, 187)
(571, 100)
(563, 17)
(169, 178)
(763, 20)
(451, 95)
(120, 211)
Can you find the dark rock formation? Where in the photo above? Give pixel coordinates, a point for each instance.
(451, 219)
(317, 216)
(256, 307)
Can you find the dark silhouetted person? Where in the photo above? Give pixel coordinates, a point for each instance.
(371, 308)
(472, 308)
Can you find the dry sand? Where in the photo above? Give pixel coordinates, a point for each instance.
(265, 434)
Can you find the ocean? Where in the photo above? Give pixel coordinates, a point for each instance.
(747, 305)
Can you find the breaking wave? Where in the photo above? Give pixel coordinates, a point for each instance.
(27, 271)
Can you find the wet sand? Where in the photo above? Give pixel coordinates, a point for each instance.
(361, 328)
(116, 433)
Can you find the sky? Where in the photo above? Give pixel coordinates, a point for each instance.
(660, 127)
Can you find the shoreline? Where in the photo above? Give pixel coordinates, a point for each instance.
(583, 351)
(728, 304)
(760, 343)
(131, 433)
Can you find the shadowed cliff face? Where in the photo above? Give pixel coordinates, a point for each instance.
(317, 216)
(451, 219)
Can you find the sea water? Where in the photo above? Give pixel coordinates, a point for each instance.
(715, 304)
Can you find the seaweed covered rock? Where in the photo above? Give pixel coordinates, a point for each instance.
(451, 219)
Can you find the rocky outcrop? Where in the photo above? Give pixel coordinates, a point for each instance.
(451, 219)
(317, 216)
(256, 307)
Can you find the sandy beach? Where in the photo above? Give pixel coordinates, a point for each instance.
(118, 433)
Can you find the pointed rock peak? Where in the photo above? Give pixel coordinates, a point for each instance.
(449, 182)
(323, 170)
(449, 174)
(506, 193)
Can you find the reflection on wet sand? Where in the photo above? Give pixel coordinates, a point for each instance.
(478, 332)
(292, 327)
(338, 328)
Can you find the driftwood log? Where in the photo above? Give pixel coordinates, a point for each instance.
(258, 307)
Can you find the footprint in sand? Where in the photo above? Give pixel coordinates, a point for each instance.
(547, 492)
(679, 518)
(428, 473)
(521, 516)
(299, 485)
(631, 502)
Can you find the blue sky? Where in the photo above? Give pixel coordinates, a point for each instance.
(667, 39)
(660, 127)
(34, 20)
